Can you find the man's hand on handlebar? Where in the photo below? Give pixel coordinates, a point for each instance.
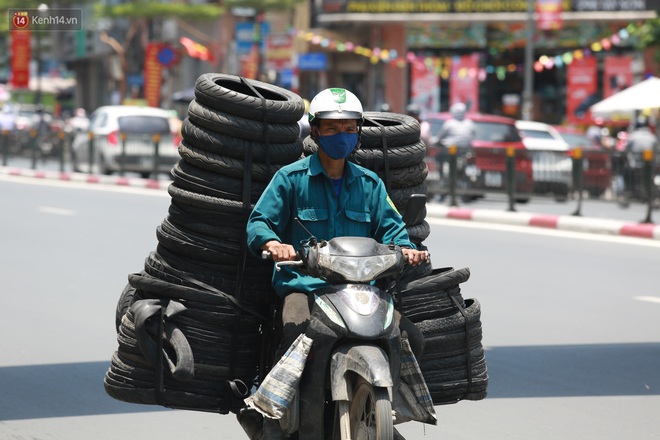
(280, 251)
(415, 257)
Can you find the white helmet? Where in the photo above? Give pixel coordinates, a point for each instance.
(335, 103)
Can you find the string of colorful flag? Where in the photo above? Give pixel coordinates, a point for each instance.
(443, 65)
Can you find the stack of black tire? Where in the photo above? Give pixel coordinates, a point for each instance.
(453, 363)
(190, 323)
(390, 146)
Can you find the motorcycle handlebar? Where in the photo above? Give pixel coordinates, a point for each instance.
(265, 255)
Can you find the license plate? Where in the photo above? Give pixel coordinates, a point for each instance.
(493, 180)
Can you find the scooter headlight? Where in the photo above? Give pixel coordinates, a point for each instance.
(358, 269)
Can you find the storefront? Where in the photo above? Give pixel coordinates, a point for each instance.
(475, 50)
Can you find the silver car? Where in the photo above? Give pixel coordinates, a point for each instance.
(125, 138)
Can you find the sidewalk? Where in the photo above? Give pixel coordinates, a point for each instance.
(552, 221)
(596, 225)
(70, 176)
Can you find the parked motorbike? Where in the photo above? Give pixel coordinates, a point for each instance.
(357, 374)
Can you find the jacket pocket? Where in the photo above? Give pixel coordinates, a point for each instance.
(359, 223)
(312, 214)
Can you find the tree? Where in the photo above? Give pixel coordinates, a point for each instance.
(139, 13)
(648, 35)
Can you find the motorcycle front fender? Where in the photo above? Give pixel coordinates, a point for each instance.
(368, 361)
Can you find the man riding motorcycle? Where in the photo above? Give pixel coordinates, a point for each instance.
(330, 197)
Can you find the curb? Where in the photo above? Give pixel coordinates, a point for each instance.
(86, 178)
(562, 222)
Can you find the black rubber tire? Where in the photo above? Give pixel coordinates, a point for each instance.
(452, 322)
(374, 158)
(419, 232)
(439, 280)
(242, 128)
(189, 177)
(398, 129)
(126, 298)
(226, 206)
(229, 146)
(231, 94)
(225, 165)
(400, 196)
(405, 177)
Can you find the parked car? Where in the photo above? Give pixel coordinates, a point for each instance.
(596, 162)
(123, 138)
(29, 127)
(484, 166)
(551, 160)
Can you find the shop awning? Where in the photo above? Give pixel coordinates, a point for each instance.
(641, 96)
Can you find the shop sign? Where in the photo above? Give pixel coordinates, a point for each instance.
(581, 90)
(246, 37)
(474, 6)
(446, 35)
(313, 61)
(618, 74)
(548, 13)
(279, 51)
(20, 58)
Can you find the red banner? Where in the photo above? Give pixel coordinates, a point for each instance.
(617, 75)
(464, 84)
(425, 87)
(548, 13)
(20, 58)
(250, 63)
(152, 75)
(581, 90)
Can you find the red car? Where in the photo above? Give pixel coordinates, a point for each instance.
(597, 163)
(484, 168)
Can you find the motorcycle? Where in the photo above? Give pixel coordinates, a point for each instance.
(357, 367)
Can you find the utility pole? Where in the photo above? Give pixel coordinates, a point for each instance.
(528, 86)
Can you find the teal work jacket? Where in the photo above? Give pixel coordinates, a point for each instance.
(303, 190)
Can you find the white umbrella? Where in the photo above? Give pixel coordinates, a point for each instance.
(643, 95)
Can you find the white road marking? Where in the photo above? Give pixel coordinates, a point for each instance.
(652, 299)
(58, 211)
(86, 186)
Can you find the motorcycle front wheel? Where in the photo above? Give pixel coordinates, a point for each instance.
(370, 413)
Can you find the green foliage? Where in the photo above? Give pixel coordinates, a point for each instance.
(155, 9)
(263, 5)
(649, 33)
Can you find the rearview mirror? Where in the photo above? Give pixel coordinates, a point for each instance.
(415, 210)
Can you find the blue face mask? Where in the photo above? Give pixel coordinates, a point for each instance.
(340, 145)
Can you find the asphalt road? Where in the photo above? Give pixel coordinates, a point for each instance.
(571, 324)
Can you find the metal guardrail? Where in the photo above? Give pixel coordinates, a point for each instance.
(464, 175)
(59, 146)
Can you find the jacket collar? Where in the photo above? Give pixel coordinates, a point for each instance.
(350, 169)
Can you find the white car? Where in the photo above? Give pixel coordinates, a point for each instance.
(124, 138)
(551, 160)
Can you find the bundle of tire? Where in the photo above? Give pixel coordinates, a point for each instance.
(453, 363)
(189, 324)
(390, 146)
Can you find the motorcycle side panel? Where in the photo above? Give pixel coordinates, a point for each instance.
(368, 361)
